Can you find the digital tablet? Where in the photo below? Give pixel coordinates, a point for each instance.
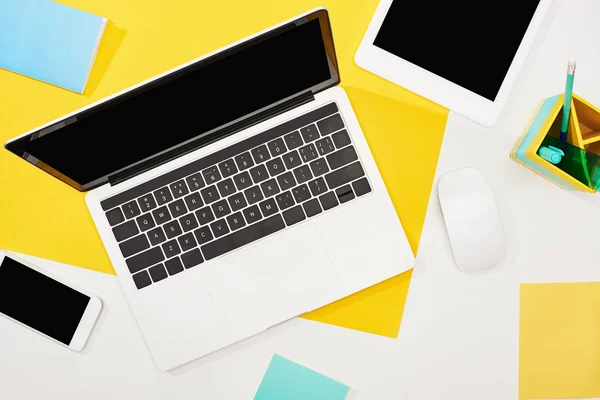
(460, 54)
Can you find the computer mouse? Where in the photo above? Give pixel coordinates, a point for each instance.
(472, 220)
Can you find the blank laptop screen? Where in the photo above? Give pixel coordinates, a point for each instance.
(181, 106)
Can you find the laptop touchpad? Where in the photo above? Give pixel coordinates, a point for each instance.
(271, 280)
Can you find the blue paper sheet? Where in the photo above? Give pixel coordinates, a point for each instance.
(286, 380)
(49, 41)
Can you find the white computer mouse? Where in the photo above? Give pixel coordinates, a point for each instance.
(472, 220)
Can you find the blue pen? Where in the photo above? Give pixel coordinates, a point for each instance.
(567, 103)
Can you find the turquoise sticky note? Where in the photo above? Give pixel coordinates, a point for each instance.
(286, 380)
(49, 41)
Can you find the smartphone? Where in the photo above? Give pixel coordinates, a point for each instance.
(45, 304)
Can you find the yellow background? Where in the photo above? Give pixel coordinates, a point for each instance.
(560, 341)
(41, 216)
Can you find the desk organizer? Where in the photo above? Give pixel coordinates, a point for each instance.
(574, 165)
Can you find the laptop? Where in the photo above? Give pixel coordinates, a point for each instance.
(231, 193)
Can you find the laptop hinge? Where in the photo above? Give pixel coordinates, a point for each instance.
(211, 138)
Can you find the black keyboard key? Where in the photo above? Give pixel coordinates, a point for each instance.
(319, 167)
(179, 189)
(301, 193)
(131, 209)
(361, 187)
(243, 181)
(277, 147)
(203, 235)
(172, 229)
(115, 216)
(324, 146)
(342, 157)
(211, 175)
(286, 181)
(330, 124)
(292, 159)
(219, 228)
(125, 231)
(221, 208)
(309, 133)
(268, 207)
(243, 237)
(260, 154)
(312, 208)
(188, 222)
(174, 266)
(253, 194)
(205, 215)
(293, 215)
(252, 214)
(158, 273)
(308, 153)
(275, 166)
(171, 248)
(195, 181)
(293, 140)
(156, 236)
(236, 221)
(259, 173)
(226, 187)
(285, 200)
(303, 174)
(142, 280)
(328, 200)
(144, 260)
(161, 215)
(145, 222)
(341, 139)
(187, 241)
(237, 202)
(210, 194)
(192, 258)
(244, 161)
(177, 208)
(163, 196)
(228, 168)
(317, 187)
(147, 202)
(134, 245)
(344, 193)
(344, 175)
(269, 188)
(193, 201)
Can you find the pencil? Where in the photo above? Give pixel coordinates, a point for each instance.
(567, 104)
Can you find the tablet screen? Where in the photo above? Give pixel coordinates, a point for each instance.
(471, 44)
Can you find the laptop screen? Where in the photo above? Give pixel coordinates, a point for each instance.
(166, 113)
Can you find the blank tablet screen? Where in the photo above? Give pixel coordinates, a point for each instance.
(469, 43)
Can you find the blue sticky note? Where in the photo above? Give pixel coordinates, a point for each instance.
(286, 380)
(49, 41)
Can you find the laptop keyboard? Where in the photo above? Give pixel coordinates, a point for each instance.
(236, 196)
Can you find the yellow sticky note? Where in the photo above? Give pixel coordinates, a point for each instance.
(41, 216)
(559, 341)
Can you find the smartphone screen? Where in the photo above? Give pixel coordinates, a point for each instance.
(39, 301)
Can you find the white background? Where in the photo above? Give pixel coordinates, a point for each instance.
(459, 335)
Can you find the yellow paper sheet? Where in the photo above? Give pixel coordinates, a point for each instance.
(560, 341)
(41, 216)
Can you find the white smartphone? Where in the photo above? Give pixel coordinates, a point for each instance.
(53, 308)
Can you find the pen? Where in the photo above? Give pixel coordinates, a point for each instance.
(567, 104)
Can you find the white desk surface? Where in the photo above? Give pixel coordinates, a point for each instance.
(459, 335)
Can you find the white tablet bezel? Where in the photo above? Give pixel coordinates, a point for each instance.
(436, 88)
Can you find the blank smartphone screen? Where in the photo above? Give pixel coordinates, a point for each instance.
(468, 43)
(40, 302)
